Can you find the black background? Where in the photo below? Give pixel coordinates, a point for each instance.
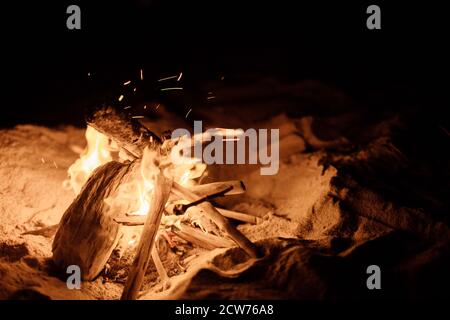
(46, 65)
(377, 309)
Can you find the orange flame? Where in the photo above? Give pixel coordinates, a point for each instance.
(145, 184)
(96, 153)
(133, 196)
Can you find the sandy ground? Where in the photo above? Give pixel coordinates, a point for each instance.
(317, 239)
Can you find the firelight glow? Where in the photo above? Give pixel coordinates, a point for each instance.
(96, 153)
(146, 185)
(132, 197)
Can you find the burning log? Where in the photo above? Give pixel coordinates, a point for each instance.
(87, 233)
(219, 220)
(129, 133)
(159, 198)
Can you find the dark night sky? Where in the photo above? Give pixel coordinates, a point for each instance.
(45, 65)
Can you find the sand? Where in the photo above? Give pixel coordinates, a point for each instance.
(322, 225)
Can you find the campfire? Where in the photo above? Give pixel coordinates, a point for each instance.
(345, 206)
(130, 192)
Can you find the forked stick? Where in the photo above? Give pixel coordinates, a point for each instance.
(158, 201)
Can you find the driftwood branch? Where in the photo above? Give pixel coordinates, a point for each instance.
(158, 201)
(127, 132)
(235, 215)
(233, 187)
(205, 240)
(87, 233)
(165, 280)
(239, 216)
(47, 232)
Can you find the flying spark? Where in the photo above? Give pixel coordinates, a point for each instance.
(142, 74)
(188, 112)
(179, 77)
(127, 83)
(167, 78)
(121, 97)
(171, 88)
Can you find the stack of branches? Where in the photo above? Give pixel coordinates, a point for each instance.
(88, 231)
